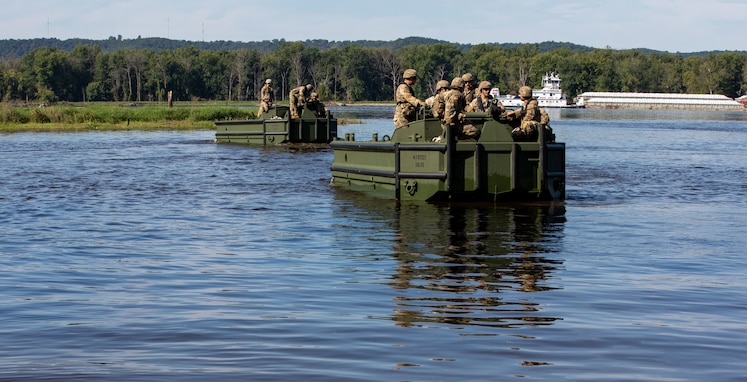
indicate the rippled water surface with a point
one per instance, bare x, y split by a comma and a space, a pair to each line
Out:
146, 255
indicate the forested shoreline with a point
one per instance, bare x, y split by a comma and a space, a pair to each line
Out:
351, 72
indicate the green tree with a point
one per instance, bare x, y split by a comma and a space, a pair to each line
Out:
47, 75
606, 79
10, 79
359, 77
82, 63
185, 78
135, 62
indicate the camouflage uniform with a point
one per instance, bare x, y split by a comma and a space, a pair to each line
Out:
454, 116
316, 106
437, 103
529, 115
264, 107
267, 92
406, 110
484, 102
297, 98
469, 88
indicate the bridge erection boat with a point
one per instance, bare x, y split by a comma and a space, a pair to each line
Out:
276, 127
409, 166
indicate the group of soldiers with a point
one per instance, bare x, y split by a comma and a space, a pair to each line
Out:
300, 97
450, 104
453, 100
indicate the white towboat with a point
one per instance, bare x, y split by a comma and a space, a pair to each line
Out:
550, 95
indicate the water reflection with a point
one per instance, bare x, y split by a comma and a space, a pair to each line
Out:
469, 266
465, 266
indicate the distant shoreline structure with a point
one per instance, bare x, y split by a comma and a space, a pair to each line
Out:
622, 100
550, 95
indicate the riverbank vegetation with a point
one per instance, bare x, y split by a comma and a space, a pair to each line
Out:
116, 116
110, 116
350, 73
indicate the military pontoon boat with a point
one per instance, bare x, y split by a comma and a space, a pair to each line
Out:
409, 166
276, 127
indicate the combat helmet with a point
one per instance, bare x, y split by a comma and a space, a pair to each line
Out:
309, 86
525, 92
467, 77
486, 85
268, 81
410, 73
443, 84
457, 83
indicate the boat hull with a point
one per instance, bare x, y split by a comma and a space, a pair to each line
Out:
277, 128
411, 167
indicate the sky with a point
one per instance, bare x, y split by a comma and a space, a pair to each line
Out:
666, 25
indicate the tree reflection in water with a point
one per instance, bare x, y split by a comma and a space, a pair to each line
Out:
474, 266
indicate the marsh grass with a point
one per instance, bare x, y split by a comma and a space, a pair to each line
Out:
114, 116
111, 116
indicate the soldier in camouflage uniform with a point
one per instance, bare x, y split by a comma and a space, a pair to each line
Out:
267, 92
436, 102
264, 106
528, 116
484, 102
454, 117
407, 104
469, 87
320, 111
298, 97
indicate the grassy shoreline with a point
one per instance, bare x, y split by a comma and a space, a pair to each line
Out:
110, 116
117, 116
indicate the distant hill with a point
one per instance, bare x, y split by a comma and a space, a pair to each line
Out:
18, 48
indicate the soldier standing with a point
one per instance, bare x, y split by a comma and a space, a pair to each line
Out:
267, 92
469, 87
407, 103
436, 103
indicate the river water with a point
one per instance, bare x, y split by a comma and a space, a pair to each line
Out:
161, 255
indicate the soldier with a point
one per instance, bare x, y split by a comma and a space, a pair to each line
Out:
298, 97
469, 87
267, 92
316, 106
484, 101
407, 104
437, 104
454, 117
528, 116
264, 106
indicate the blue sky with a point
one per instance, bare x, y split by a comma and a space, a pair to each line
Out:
668, 25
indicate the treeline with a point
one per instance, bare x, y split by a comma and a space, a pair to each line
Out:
17, 48
351, 72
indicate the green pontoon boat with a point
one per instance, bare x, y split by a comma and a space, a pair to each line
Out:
276, 127
409, 166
